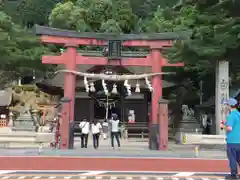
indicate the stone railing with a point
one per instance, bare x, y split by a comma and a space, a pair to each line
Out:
189, 138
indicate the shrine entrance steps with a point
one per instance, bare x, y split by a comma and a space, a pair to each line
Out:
22, 139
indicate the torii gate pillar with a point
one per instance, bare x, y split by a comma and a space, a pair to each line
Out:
69, 92
157, 64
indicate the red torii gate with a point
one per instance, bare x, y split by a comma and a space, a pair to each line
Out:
70, 58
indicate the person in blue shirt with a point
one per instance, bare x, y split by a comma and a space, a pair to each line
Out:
232, 127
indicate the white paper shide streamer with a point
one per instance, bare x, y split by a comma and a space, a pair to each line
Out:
148, 83
86, 84
104, 85
128, 87
114, 77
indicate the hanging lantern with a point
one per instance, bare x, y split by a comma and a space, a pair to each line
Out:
92, 88
137, 90
114, 90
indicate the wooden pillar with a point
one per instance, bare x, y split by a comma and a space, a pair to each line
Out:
69, 92
163, 124
156, 83
91, 106
157, 93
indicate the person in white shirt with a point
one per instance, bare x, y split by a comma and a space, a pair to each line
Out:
96, 129
114, 121
84, 126
105, 129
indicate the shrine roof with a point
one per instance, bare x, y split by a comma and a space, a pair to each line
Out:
44, 30
5, 98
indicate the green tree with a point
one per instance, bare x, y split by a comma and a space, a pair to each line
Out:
34, 11
214, 27
69, 16
94, 15
20, 51
146, 8
214, 32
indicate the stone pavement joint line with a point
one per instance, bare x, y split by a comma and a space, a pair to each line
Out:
112, 177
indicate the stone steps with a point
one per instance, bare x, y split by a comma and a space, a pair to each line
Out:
25, 139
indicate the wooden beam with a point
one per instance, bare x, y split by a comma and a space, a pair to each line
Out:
147, 43
104, 61
53, 60
95, 42
124, 54
181, 64
67, 40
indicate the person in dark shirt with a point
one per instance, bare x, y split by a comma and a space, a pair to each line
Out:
114, 121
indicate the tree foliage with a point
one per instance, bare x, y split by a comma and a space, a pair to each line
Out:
94, 16
214, 32
35, 11
20, 50
214, 26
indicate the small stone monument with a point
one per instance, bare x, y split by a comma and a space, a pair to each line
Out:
188, 123
25, 122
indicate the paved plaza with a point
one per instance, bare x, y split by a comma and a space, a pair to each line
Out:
178, 163
129, 148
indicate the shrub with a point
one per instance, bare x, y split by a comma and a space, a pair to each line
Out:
22, 103
29, 87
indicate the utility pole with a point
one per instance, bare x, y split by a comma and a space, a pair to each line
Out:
201, 92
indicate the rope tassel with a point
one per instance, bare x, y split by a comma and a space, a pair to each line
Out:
137, 90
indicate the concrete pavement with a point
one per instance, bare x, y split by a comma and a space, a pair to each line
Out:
110, 175
129, 148
134, 155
